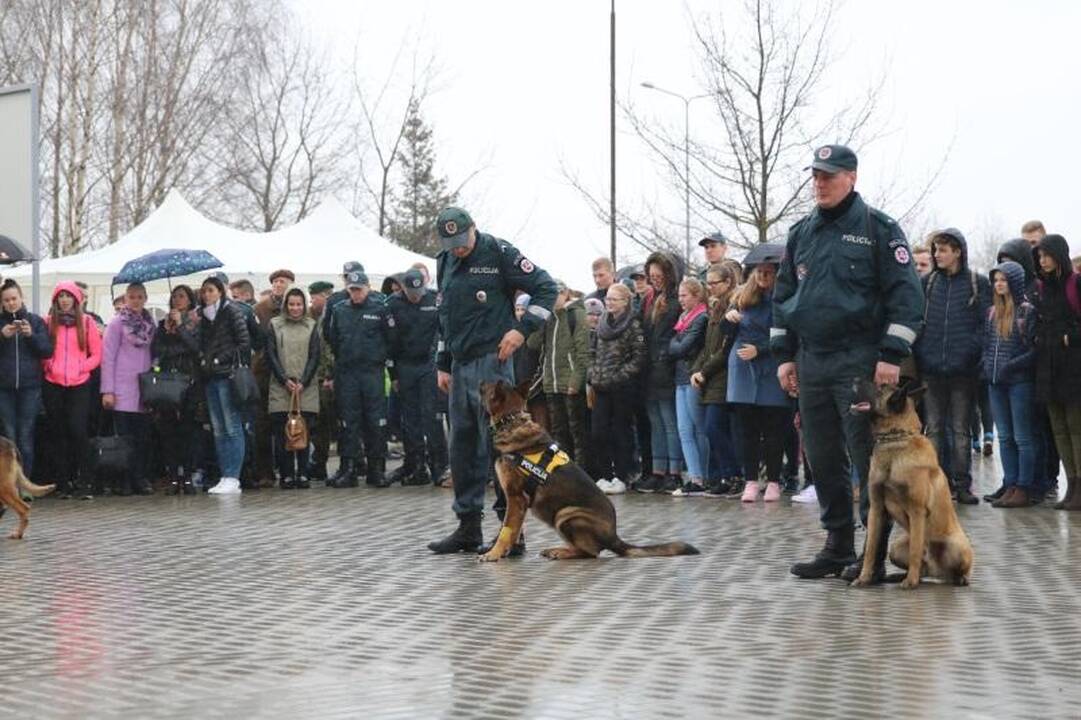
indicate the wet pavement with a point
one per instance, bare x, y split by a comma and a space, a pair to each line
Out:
325, 603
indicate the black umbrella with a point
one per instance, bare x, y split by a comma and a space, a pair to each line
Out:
11, 252
764, 253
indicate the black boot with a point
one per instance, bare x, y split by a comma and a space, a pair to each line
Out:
419, 477
832, 558
516, 550
286, 483
346, 476
465, 539
377, 473
186, 486
361, 467
142, 487
317, 471
404, 471
878, 574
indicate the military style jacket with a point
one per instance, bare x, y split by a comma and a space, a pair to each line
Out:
476, 299
846, 281
361, 335
418, 329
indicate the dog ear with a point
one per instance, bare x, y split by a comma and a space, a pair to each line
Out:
897, 400
915, 392
523, 388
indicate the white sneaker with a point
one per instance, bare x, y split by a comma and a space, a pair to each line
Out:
226, 486
603, 485
806, 495
615, 487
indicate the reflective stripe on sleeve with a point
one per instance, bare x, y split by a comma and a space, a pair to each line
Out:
900, 331
442, 347
777, 332
539, 312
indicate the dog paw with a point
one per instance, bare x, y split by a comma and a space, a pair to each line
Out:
489, 557
15, 536
860, 582
910, 584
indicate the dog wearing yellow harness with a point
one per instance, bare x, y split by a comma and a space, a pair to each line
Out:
535, 473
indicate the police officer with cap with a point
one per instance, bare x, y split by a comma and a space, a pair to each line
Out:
847, 305
715, 246
339, 296
477, 277
416, 315
362, 331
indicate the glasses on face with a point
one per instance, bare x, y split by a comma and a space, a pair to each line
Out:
714, 283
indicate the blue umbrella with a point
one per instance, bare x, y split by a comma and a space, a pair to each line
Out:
166, 264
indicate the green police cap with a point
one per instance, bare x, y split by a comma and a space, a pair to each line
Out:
833, 159
453, 225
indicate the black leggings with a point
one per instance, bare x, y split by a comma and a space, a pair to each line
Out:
67, 410
291, 464
613, 438
764, 432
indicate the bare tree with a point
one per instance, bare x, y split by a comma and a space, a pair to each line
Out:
281, 135
383, 127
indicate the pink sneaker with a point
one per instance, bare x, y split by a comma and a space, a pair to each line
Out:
773, 492
750, 492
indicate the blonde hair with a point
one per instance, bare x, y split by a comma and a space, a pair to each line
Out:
1002, 309
694, 287
619, 291
603, 262
749, 293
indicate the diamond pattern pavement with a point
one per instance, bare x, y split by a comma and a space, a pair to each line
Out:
326, 603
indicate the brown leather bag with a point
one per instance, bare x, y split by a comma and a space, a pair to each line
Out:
296, 430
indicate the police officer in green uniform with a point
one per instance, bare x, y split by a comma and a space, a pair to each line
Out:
847, 305
416, 315
336, 298
362, 332
477, 277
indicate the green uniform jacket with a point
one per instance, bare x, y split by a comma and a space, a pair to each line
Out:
847, 283
361, 335
476, 299
564, 354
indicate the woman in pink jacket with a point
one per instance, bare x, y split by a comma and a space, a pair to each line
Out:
66, 394
125, 356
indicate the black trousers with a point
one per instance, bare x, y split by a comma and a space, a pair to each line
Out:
291, 463
612, 433
764, 435
67, 410
137, 427
423, 437
362, 408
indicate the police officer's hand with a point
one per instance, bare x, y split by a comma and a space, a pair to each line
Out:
443, 380
887, 374
789, 378
510, 342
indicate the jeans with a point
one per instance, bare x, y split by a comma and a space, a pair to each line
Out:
725, 458
983, 413
228, 423
1011, 406
952, 398
691, 420
613, 441
664, 432
18, 413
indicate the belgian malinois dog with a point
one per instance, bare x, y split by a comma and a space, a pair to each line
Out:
534, 473
11, 479
907, 482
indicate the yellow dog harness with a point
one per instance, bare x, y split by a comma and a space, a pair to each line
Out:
538, 466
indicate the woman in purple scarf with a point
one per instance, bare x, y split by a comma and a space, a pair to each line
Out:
125, 355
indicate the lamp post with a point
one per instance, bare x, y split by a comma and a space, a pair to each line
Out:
686, 156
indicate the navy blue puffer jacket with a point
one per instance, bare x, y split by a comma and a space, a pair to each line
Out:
1009, 360
956, 314
21, 356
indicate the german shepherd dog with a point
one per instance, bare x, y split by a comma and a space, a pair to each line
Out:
11, 479
533, 472
907, 482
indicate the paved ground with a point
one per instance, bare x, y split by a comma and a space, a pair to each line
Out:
325, 603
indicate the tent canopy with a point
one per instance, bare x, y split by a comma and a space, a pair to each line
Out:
313, 249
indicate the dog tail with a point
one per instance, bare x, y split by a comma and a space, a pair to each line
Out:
663, 550
35, 490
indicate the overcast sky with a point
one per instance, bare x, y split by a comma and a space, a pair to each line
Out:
524, 88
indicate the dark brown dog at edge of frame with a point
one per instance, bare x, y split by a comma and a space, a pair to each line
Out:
11, 480
567, 500
906, 481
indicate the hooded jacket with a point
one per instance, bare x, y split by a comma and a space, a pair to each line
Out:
955, 316
1009, 360
293, 350
1020, 252
1058, 328
21, 356
660, 329
564, 350
712, 361
70, 365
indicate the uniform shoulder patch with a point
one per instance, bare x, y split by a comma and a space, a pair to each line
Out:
901, 256
525, 266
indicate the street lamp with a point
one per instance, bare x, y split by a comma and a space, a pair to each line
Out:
686, 154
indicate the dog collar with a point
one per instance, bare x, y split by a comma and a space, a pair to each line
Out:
893, 435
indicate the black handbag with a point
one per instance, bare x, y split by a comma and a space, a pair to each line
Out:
163, 390
245, 387
110, 453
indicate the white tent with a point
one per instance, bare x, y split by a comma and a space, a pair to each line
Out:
314, 249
